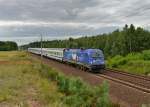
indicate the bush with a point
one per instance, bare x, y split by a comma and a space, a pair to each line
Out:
146, 55
139, 67
134, 56
103, 91
116, 61
137, 63
78, 93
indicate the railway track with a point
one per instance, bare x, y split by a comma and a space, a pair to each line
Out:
129, 74
135, 81
128, 95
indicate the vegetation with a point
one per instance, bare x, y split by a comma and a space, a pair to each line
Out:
8, 46
145, 105
21, 84
78, 93
138, 63
119, 42
25, 82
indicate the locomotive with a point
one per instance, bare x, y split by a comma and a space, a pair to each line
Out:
91, 59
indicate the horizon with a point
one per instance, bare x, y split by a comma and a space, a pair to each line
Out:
37, 37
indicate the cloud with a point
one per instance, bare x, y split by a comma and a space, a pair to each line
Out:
26, 34
69, 17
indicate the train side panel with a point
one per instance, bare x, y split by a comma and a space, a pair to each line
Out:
34, 50
53, 53
56, 54
90, 58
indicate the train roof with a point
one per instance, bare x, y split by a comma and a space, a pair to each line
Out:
48, 48
62, 49
93, 50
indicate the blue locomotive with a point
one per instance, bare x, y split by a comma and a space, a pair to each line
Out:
91, 59
87, 58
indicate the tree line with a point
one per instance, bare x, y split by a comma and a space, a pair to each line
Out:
8, 46
119, 42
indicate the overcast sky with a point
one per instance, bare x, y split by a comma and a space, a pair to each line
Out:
24, 20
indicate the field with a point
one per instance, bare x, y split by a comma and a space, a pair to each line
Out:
21, 84
24, 82
136, 63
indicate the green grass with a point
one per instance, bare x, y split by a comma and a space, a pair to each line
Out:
24, 82
137, 63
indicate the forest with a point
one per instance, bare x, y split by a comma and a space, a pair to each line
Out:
119, 42
8, 46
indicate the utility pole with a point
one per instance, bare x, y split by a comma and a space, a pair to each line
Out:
41, 49
130, 46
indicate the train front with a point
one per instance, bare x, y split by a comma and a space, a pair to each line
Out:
96, 59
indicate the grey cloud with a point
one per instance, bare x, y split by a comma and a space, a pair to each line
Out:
135, 11
53, 10
52, 31
88, 17
110, 11
26, 34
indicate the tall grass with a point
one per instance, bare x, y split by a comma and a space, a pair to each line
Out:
138, 63
21, 84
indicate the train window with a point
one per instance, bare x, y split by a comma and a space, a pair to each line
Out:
85, 55
96, 54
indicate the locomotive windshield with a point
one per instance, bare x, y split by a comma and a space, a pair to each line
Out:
96, 54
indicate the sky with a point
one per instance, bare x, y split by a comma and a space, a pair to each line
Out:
23, 21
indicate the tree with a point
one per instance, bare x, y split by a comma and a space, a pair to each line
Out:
8, 46
119, 42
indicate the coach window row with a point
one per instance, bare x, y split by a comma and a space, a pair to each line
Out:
56, 53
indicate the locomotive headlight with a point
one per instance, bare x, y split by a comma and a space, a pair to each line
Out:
91, 62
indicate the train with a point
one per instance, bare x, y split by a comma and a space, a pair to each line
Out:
86, 59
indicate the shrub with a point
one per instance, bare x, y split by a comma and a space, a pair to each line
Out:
78, 93
137, 63
63, 84
146, 55
116, 61
103, 100
134, 56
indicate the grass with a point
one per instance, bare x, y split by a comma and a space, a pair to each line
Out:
22, 85
24, 82
136, 63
